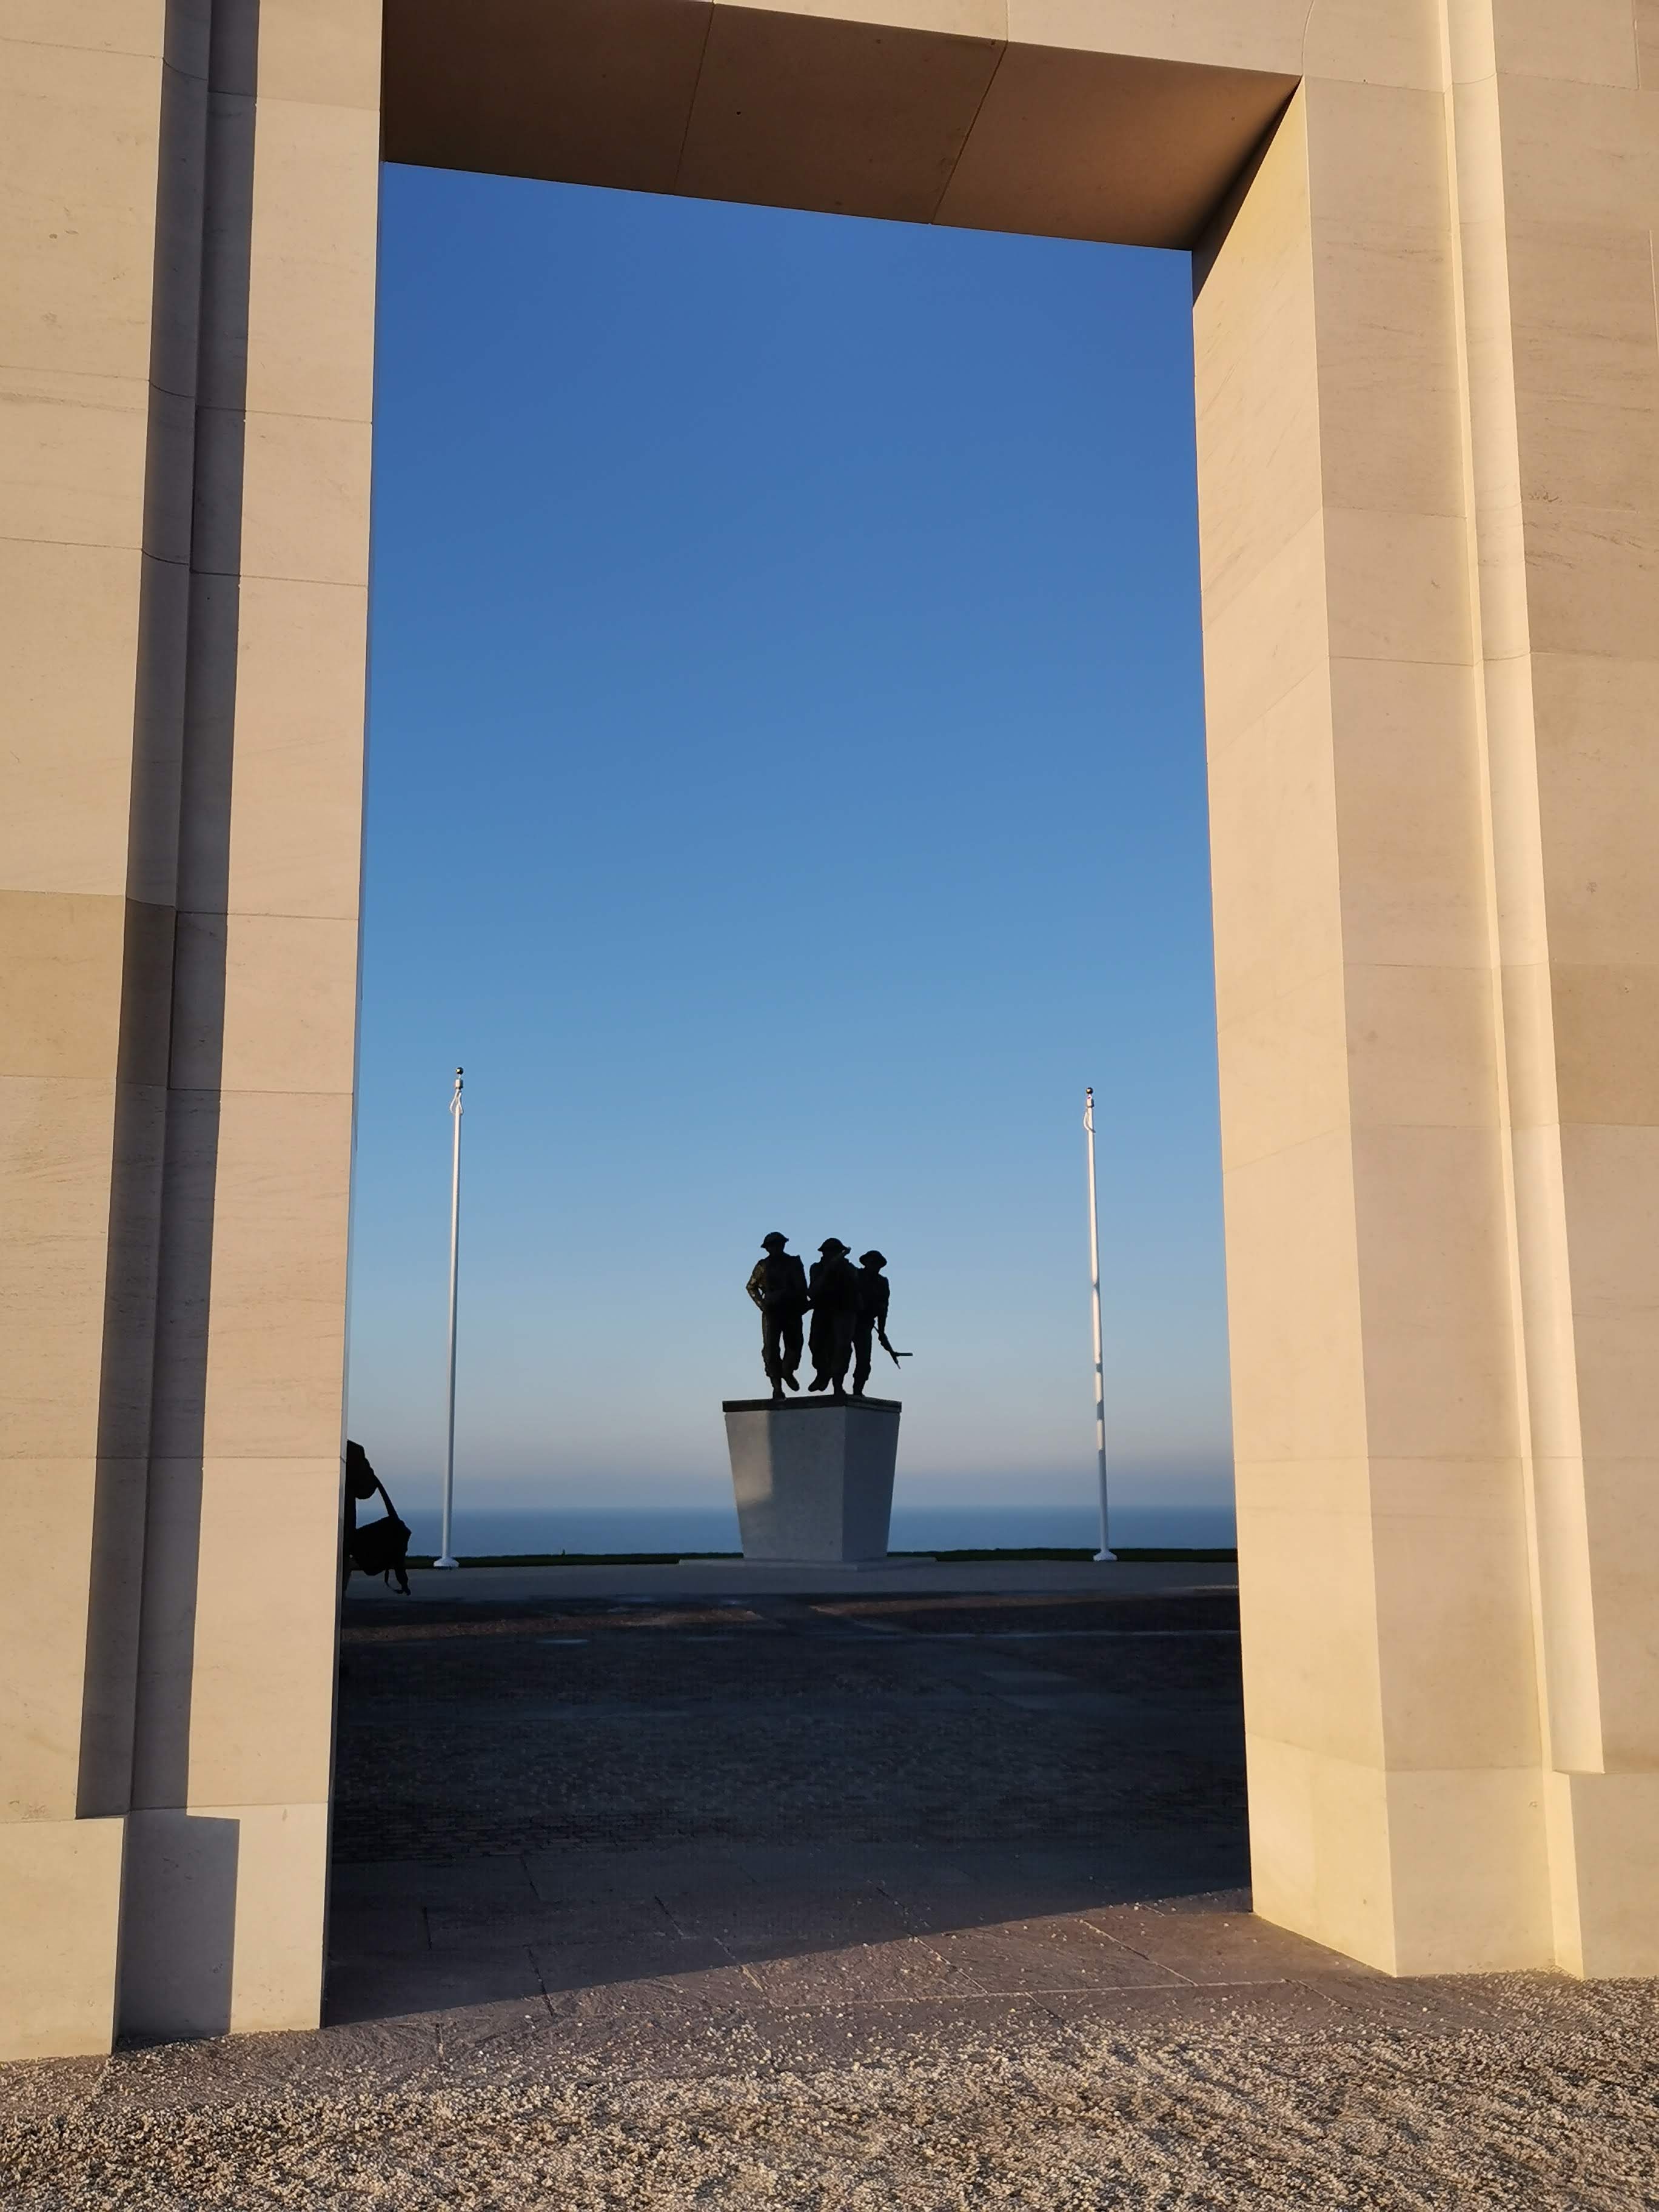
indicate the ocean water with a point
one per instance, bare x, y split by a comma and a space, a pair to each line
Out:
916, 1529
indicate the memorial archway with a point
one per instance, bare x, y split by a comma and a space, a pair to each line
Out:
1423, 286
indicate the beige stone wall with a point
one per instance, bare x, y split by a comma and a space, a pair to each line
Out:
191, 199
1557, 129
236, 1687
1426, 361
1383, 1533
1428, 427
90, 581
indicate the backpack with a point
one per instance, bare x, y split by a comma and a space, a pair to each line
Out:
381, 1548
378, 1547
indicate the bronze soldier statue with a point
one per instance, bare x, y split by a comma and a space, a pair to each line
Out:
870, 1322
834, 1289
778, 1286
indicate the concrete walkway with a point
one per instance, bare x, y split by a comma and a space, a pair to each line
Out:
710, 1578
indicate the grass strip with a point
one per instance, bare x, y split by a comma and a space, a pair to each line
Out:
1137, 1554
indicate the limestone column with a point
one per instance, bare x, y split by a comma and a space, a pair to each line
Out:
186, 353
1390, 1710
1426, 376
101, 135
227, 1843
1556, 130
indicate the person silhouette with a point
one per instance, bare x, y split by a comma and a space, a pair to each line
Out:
833, 1287
778, 1286
870, 1318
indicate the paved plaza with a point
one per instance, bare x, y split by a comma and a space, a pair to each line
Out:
870, 1897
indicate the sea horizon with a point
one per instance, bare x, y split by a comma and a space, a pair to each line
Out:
495, 1531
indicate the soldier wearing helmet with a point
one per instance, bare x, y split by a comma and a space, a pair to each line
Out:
778, 1286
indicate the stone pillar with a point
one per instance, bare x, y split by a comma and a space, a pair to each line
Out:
227, 1848
102, 131
187, 365
1433, 933
1556, 128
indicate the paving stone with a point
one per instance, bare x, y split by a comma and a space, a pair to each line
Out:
357, 1930
361, 1988
576, 1873
859, 1974
941, 1905
1233, 1900
671, 1981
1421, 2005
602, 1920
640, 1958
1027, 1956
1226, 1947
839, 1865
472, 1881
1178, 2009
767, 1920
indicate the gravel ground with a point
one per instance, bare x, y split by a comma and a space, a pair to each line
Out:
840, 1905
1544, 2097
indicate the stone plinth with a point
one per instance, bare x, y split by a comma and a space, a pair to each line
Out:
813, 1477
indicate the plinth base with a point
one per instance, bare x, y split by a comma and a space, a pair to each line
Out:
813, 1478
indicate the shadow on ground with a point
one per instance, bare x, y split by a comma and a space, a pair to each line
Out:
782, 1811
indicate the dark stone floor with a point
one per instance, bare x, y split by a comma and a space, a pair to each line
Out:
843, 1721
650, 1813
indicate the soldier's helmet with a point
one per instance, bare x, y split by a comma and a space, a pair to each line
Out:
832, 1247
775, 1242
872, 1259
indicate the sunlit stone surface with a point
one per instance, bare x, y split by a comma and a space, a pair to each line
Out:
1428, 437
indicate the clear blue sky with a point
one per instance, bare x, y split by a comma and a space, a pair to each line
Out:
786, 792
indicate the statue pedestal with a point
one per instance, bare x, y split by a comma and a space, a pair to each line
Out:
813, 1477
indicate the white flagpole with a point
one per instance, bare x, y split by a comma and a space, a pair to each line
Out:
448, 1557
1105, 1551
